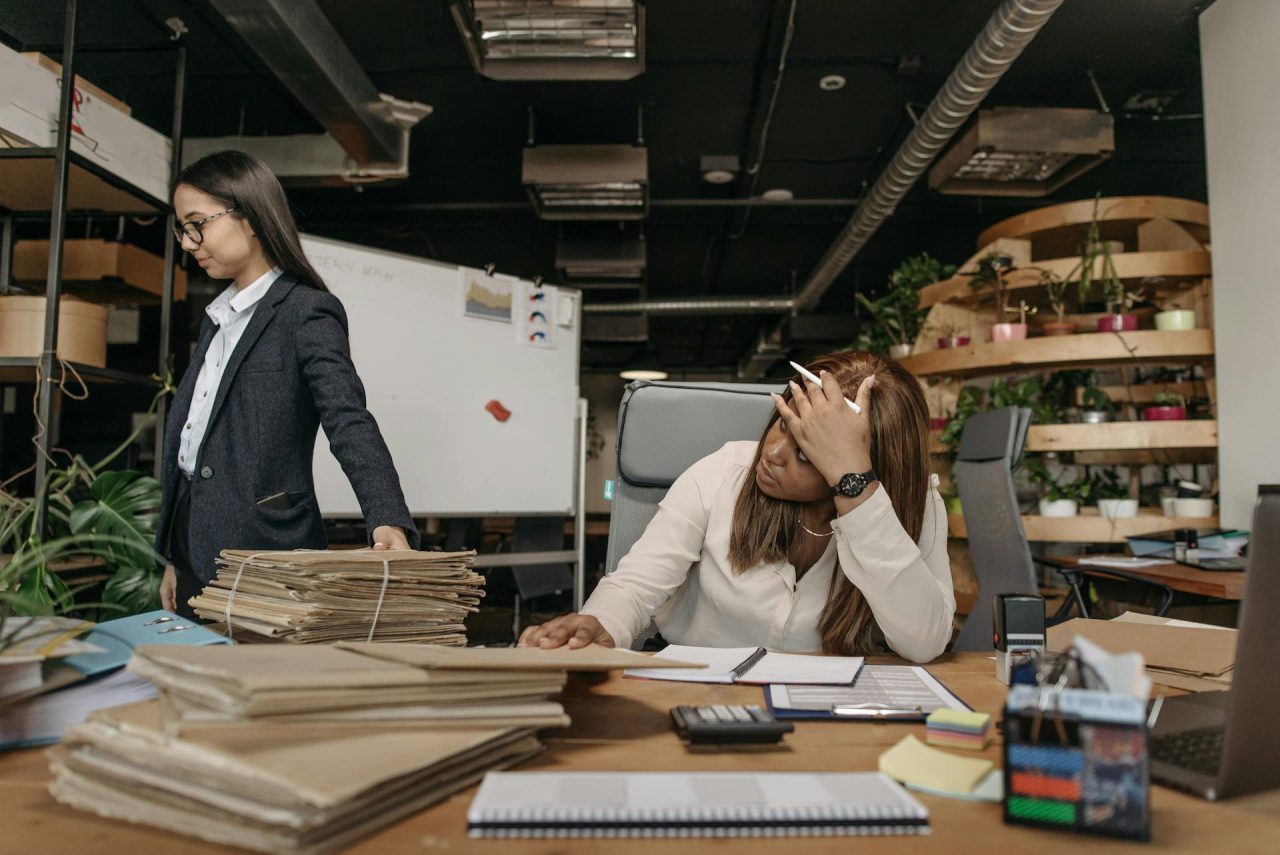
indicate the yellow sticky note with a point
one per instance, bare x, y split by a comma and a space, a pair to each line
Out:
913, 762
959, 718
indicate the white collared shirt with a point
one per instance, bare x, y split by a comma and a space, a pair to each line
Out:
231, 311
678, 573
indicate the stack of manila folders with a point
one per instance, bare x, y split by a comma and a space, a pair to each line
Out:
308, 596
1195, 657
283, 748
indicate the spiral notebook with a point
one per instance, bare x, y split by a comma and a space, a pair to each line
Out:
693, 804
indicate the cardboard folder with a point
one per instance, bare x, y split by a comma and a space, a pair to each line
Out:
1186, 650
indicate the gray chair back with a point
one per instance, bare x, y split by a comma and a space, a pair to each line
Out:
663, 429
990, 449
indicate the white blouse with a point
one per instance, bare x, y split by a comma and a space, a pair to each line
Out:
678, 573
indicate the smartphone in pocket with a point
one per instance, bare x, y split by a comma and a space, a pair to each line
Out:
279, 501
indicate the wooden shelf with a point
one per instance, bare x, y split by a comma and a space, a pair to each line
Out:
1145, 393
99, 271
1083, 349
1120, 209
1089, 527
1130, 267
26, 184
1115, 436
22, 369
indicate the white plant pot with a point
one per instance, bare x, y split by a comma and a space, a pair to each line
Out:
1118, 509
1176, 319
900, 351
1059, 508
1193, 507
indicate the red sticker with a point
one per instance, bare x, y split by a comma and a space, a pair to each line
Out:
498, 411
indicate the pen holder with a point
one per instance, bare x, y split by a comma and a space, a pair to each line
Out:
1076, 760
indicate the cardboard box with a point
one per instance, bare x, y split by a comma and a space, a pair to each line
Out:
82, 329
29, 97
81, 84
90, 260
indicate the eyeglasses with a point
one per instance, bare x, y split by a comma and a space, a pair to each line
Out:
191, 230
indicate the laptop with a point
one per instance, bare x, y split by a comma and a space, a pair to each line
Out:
1222, 744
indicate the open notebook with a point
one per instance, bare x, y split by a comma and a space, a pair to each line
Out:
752, 665
692, 804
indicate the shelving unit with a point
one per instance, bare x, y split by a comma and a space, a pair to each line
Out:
1141, 347
57, 181
1170, 238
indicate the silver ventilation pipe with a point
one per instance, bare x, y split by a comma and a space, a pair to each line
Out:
711, 306
1002, 41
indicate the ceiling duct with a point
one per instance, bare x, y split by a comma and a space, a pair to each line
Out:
367, 137
600, 259
608, 328
587, 182
710, 306
1010, 151
553, 39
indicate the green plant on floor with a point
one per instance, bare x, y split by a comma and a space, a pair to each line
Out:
1107, 485
92, 511
897, 313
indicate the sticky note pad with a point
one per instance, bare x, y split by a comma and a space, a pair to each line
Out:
914, 763
959, 720
959, 729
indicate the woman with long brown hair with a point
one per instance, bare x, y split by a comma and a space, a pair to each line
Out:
826, 535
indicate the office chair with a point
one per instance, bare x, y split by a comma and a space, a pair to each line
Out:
990, 449
663, 429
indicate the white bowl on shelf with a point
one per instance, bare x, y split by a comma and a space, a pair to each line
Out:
1193, 507
1059, 508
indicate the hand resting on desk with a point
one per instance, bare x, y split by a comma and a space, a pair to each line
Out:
575, 630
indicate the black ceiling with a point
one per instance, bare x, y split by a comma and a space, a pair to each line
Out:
710, 66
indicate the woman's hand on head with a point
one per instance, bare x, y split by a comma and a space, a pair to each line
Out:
389, 537
572, 630
834, 438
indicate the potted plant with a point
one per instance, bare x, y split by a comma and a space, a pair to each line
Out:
1113, 497
989, 273
949, 335
1058, 499
1174, 317
1097, 267
1119, 302
1169, 407
1098, 406
1055, 288
897, 313
1013, 331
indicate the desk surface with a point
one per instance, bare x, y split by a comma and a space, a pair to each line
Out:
622, 724
1222, 584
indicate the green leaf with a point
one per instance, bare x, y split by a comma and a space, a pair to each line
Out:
135, 589
124, 506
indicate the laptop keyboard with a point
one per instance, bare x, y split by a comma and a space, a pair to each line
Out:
1197, 750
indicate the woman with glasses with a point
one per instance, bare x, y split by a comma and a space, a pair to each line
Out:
271, 365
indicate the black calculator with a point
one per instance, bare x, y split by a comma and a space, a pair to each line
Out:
727, 724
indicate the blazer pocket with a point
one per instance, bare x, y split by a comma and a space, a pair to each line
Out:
261, 366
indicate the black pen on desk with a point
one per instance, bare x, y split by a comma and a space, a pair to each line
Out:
750, 661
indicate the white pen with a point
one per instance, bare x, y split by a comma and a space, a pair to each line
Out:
808, 375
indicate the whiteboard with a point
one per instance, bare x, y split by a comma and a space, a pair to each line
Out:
429, 369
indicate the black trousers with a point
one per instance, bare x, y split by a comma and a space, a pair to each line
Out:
180, 550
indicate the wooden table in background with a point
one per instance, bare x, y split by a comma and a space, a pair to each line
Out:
1221, 584
622, 725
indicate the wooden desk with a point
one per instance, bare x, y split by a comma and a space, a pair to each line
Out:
622, 724
1221, 584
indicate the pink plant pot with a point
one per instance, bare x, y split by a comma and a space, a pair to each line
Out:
938, 423
1164, 414
953, 341
1117, 323
1008, 332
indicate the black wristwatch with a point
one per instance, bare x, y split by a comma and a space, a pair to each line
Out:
854, 483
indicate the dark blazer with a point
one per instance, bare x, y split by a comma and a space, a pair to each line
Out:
291, 372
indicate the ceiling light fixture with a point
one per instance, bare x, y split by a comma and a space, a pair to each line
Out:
832, 83
646, 367
587, 182
553, 39
778, 194
1031, 152
719, 168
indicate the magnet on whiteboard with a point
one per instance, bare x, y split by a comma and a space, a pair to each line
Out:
498, 411
566, 310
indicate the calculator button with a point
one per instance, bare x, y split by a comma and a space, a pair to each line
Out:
740, 713
722, 712
706, 713
759, 714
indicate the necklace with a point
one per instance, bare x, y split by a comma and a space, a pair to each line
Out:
817, 534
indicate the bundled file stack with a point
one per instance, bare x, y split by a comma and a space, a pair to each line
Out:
284, 748
309, 596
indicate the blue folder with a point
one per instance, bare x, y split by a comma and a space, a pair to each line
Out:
119, 638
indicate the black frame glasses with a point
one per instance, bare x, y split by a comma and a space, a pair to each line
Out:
191, 229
